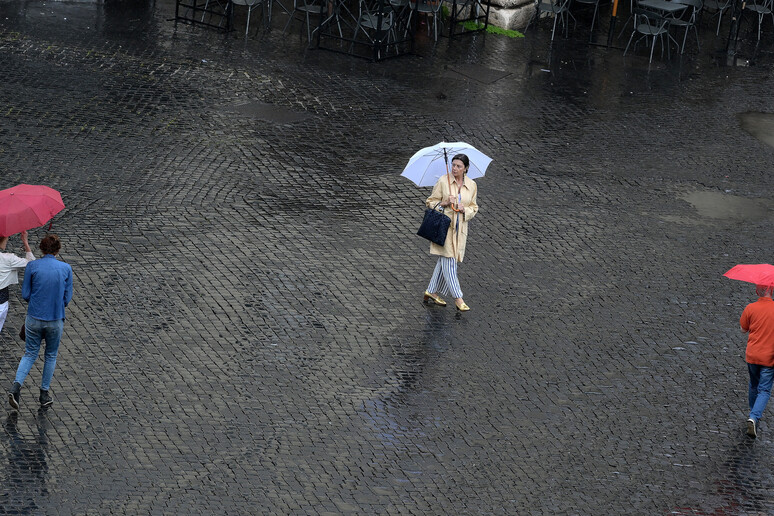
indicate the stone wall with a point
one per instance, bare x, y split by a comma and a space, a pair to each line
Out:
514, 16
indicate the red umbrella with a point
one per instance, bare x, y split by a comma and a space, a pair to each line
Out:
758, 273
25, 207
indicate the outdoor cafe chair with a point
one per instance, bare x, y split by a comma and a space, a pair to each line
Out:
560, 10
251, 6
630, 18
402, 15
761, 8
376, 21
307, 8
430, 7
719, 6
590, 3
219, 10
467, 10
688, 20
649, 25
270, 7
400, 6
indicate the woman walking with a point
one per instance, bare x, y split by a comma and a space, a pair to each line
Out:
10, 265
458, 199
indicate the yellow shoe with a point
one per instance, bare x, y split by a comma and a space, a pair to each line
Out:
437, 300
463, 307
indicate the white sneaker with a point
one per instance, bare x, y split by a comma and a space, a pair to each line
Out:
751, 428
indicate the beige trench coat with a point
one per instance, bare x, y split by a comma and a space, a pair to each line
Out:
455, 240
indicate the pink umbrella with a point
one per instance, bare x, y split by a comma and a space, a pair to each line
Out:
25, 207
758, 273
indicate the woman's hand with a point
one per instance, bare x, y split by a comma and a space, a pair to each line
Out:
25, 242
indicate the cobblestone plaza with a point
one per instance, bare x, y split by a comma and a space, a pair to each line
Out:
247, 334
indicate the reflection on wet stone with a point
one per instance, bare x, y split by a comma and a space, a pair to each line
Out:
24, 477
717, 205
393, 415
436, 332
760, 125
743, 487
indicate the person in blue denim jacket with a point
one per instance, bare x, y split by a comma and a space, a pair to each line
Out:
48, 288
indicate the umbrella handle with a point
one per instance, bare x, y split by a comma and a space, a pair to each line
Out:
448, 179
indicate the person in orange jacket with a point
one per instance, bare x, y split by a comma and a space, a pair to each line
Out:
758, 322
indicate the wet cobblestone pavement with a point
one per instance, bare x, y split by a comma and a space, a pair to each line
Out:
247, 334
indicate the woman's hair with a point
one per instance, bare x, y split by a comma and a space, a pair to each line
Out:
50, 244
464, 159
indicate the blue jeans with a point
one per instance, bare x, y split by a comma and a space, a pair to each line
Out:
761, 378
38, 330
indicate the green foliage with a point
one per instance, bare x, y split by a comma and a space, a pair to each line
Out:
491, 29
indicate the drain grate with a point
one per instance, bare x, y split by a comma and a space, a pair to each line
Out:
480, 73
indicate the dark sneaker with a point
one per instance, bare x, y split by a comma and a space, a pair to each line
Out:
751, 431
45, 399
14, 395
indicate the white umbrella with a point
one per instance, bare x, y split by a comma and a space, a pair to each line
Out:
427, 165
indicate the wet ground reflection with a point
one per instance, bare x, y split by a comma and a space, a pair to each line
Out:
24, 477
746, 483
386, 413
718, 205
760, 125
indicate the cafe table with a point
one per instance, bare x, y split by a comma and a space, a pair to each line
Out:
667, 9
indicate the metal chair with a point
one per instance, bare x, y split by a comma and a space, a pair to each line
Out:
251, 6
377, 25
432, 7
761, 8
221, 10
650, 25
560, 9
402, 11
719, 6
464, 11
590, 3
688, 20
270, 8
307, 7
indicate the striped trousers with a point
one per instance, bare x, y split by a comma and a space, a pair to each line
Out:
444, 280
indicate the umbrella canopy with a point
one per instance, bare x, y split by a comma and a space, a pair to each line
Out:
25, 207
430, 163
758, 273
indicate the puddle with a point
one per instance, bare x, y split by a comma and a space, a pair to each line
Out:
717, 205
760, 125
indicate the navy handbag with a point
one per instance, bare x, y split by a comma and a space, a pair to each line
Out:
434, 226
